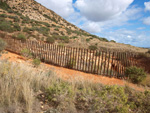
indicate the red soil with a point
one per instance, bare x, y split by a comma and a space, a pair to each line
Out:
72, 74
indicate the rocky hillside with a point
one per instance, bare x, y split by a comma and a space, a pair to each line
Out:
35, 22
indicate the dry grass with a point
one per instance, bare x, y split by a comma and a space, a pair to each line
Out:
18, 84
22, 85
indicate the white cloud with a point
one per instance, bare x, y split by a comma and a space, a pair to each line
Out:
146, 21
140, 28
91, 27
62, 7
95, 27
147, 6
132, 37
101, 10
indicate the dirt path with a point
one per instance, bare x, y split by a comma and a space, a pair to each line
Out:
72, 74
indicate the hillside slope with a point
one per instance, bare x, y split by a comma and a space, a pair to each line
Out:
39, 23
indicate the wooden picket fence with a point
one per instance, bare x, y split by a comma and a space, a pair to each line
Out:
106, 63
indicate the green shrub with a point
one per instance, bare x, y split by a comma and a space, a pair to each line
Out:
25, 19
88, 40
74, 37
10, 11
135, 74
113, 41
93, 47
65, 39
2, 45
50, 40
3, 15
27, 30
56, 29
43, 30
46, 16
17, 27
46, 24
6, 26
4, 5
21, 37
103, 39
36, 62
26, 53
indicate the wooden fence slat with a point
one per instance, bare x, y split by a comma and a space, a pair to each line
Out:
108, 64
105, 63
101, 63
99, 56
92, 62
95, 66
76, 56
81, 59
78, 62
112, 64
86, 66
64, 55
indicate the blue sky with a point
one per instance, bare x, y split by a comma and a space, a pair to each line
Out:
125, 21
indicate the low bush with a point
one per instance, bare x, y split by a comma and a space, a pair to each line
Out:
4, 6
36, 62
17, 27
2, 45
93, 47
21, 37
135, 74
50, 40
43, 30
26, 53
6, 26
88, 39
15, 18
74, 37
3, 15
113, 41
65, 39
103, 39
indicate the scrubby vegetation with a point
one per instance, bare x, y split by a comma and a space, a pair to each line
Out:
20, 85
26, 53
93, 47
50, 40
21, 37
113, 41
36, 62
4, 5
135, 74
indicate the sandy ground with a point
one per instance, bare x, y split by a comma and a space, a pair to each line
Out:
67, 74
